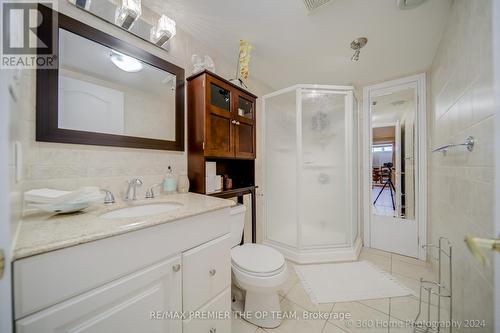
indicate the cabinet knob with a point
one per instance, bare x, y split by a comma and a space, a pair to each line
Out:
212, 272
233, 121
237, 123
176, 267
213, 330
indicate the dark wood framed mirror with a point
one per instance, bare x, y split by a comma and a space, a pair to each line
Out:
108, 92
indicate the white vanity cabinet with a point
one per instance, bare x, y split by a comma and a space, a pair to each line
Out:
130, 282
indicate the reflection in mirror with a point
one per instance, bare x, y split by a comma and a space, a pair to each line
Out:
393, 154
104, 91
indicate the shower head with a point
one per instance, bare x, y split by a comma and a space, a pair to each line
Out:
357, 45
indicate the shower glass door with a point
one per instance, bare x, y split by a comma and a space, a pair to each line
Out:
281, 168
324, 197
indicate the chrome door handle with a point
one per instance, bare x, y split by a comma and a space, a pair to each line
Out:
176, 267
475, 244
212, 272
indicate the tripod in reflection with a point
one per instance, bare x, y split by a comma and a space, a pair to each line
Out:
389, 184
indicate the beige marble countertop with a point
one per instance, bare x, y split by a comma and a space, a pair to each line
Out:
42, 232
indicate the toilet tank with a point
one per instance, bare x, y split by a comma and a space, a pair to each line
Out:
237, 223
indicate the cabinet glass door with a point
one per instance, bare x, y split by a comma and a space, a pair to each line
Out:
220, 97
245, 108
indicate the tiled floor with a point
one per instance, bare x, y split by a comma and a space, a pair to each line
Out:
389, 310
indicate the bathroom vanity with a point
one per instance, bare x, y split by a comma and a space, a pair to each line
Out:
87, 273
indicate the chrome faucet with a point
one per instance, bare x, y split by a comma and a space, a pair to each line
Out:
133, 184
150, 193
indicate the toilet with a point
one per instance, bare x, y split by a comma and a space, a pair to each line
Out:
260, 271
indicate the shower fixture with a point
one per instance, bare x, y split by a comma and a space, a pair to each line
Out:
357, 45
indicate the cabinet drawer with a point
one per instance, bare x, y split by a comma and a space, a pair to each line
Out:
221, 304
206, 272
124, 305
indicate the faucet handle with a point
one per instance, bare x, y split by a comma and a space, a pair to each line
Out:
150, 193
109, 198
135, 181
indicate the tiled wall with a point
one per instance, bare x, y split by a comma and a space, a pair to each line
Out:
461, 184
68, 166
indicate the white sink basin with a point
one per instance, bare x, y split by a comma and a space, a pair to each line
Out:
143, 210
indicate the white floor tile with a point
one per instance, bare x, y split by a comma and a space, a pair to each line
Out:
332, 328
291, 281
363, 318
298, 325
375, 251
381, 262
238, 325
404, 308
381, 305
412, 271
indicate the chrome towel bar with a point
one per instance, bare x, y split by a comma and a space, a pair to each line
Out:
469, 144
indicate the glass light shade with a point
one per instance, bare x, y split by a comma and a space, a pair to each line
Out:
125, 63
163, 30
128, 13
84, 4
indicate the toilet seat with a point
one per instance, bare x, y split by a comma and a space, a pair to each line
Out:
257, 260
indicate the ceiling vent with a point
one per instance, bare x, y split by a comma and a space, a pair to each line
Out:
312, 5
408, 4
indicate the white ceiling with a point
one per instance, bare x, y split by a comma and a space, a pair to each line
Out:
292, 46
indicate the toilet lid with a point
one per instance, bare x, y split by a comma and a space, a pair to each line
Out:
257, 258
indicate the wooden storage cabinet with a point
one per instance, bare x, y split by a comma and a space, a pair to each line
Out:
221, 118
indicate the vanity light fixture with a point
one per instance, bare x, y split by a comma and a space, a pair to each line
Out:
357, 45
125, 62
128, 13
84, 4
163, 30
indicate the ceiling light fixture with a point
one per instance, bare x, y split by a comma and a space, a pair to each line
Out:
128, 13
357, 45
163, 30
125, 62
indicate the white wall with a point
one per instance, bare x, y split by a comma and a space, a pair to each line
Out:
461, 190
68, 166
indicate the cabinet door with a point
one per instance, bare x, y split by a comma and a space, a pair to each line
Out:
244, 109
219, 132
124, 305
220, 305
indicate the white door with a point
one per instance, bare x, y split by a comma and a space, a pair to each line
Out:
393, 214
124, 305
5, 282
496, 64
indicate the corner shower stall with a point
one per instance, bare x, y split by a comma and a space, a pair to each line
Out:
310, 170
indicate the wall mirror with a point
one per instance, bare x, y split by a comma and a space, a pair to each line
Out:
108, 92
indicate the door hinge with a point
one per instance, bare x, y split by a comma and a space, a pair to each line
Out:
203, 145
203, 83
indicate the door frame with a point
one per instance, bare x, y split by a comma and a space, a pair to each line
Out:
419, 82
5, 233
496, 68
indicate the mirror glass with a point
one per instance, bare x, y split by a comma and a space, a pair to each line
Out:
105, 91
393, 154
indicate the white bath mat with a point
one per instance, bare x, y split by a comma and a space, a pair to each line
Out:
346, 282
